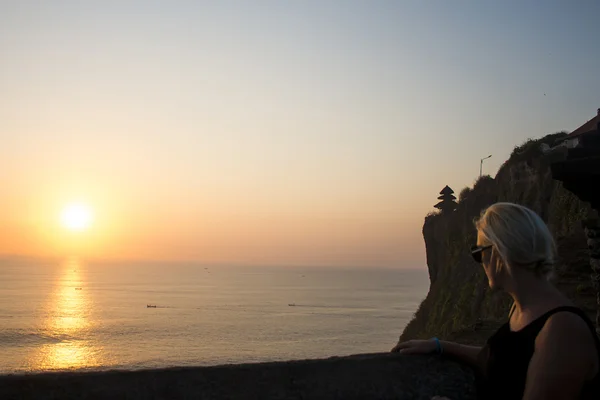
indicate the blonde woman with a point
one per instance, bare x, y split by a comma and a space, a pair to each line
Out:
548, 349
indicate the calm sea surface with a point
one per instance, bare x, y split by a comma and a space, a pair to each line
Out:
70, 314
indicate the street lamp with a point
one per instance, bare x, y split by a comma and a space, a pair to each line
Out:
481, 164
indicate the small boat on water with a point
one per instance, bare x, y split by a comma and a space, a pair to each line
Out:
150, 305
292, 304
78, 288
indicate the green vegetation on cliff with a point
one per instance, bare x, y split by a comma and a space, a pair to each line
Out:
460, 304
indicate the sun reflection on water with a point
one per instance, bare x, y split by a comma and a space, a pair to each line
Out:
67, 324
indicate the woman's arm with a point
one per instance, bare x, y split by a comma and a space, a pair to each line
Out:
464, 353
467, 354
563, 359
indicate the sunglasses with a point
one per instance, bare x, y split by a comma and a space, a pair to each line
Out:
476, 252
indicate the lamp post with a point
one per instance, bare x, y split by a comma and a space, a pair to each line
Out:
481, 164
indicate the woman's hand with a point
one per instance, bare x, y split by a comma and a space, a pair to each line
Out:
415, 347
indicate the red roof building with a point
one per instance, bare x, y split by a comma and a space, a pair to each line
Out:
592, 126
579, 166
587, 133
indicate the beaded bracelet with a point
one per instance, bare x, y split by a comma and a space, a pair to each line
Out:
438, 346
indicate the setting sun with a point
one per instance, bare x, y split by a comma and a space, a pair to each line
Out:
76, 217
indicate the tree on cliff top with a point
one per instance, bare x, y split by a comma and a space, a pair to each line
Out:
448, 200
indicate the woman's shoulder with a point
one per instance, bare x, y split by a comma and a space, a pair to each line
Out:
570, 337
567, 320
569, 332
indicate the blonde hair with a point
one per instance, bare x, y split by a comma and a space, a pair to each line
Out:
520, 236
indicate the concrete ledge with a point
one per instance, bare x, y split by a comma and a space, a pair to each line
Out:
368, 376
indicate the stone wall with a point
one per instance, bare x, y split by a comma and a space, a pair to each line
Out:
369, 376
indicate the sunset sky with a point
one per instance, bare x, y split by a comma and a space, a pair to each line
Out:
272, 132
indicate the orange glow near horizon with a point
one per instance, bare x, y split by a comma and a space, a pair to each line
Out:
126, 225
130, 220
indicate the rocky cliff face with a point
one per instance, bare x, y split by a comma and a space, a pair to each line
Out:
459, 304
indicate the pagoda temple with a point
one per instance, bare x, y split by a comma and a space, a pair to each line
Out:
448, 200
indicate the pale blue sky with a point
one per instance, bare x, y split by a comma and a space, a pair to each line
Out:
314, 132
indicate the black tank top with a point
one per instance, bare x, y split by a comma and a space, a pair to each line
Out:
505, 359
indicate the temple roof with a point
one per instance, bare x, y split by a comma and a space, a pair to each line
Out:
447, 196
447, 190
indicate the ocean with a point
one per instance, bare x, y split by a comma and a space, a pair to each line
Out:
71, 314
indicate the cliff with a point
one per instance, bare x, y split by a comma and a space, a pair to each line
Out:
459, 305
375, 376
